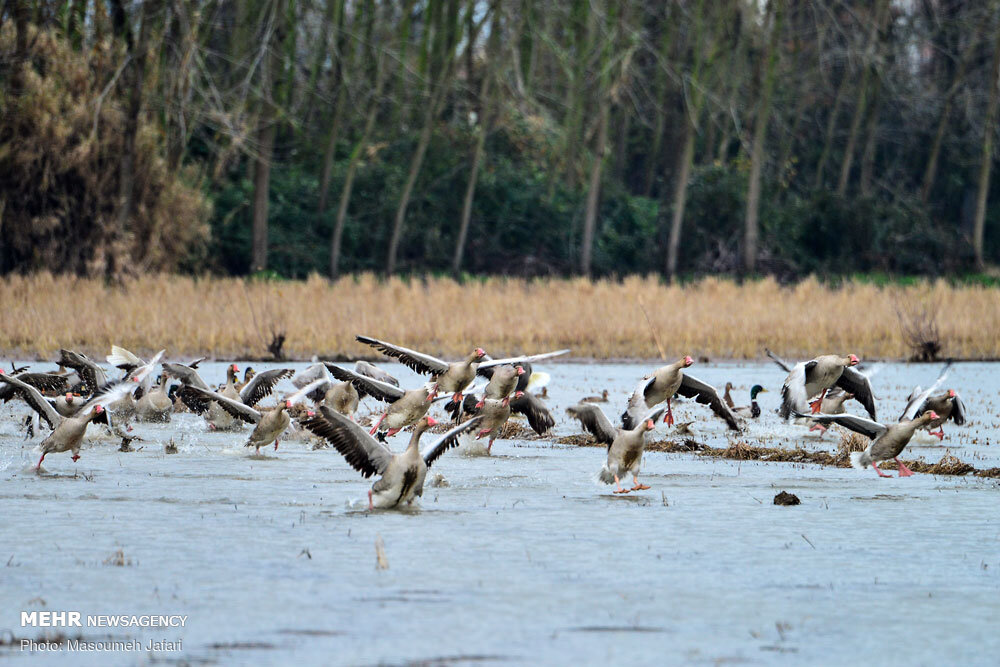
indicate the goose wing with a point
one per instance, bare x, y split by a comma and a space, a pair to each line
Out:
793, 391
40, 381
34, 398
262, 384
706, 394
363, 452
594, 421
918, 399
374, 372
485, 366
448, 440
784, 365
317, 384
365, 385
534, 409
237, 409
637, 407
139, 373
313, 372
123, 359
855, 382
91, 374
417, 361
186, 374
107, 395
865, 427
957, 409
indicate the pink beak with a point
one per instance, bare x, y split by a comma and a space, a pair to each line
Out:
288, 404
688, 361
518, 394
854, 360
951, 393
431, 421
649, 425
520, 370
934, 415
480, 352
310, 413
69, 397
98, 409
236, 369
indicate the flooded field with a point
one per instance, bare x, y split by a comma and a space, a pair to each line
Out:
517, 558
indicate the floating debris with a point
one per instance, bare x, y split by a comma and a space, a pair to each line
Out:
438, 481
381, 562
786, 498
170, 447
117, 559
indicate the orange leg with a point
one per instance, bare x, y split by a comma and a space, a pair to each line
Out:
668, 418
618, 486
377, 424
638, 486
275, 444
879, 471
817, 405
939, 433
75, 457
903, 470
371, 506
39, 466
818, 427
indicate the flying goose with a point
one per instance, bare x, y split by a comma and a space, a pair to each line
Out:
888, 441
340, 396
405, 407
663, 384
401, 475
67, 432
41, 381
625, 446
947, 405
814, 378
450, 378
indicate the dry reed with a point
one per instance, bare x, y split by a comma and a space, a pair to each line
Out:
742, 451
233, 318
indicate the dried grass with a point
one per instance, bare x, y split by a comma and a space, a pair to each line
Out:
231, 318
742, 451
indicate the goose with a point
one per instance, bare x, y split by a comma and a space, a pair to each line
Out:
603, 398
401, 475
67, 432
816, 377
523, 402
753, 410
450, 378
248, 375
888, 441
625, 446
663, 384
132, 365
269, 424
503, 380
259, 388
405, 407
947, 405
154, 405
218, 419
340, 396
833, 404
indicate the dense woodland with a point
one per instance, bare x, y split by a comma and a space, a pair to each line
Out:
518, 137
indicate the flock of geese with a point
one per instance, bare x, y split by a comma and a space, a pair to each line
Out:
327, 395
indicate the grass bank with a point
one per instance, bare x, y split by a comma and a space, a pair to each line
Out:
232, 318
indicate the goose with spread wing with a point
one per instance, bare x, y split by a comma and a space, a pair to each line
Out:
814, 378
340, 396
44, 382
625, 446
405, 407
401, 475
269, 424
668, 381
67, 432
450, 378
888, 440
947, 405
368, 369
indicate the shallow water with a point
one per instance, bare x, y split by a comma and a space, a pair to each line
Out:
522, 557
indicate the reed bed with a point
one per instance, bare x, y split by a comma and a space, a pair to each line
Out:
602, 319
742, 451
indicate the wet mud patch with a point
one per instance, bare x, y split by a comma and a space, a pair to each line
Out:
618, 628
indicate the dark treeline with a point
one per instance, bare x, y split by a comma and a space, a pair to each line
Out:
512, 137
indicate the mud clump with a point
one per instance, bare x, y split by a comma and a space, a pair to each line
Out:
786, 498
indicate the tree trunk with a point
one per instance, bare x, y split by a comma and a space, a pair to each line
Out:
493, 52
680, 199
868, 71
342, 57
760, 134
265, 140
989, 131
930, 172
871, 139
411, 178
352, 167
594, 189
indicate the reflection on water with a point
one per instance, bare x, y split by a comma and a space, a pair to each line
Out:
522, 556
